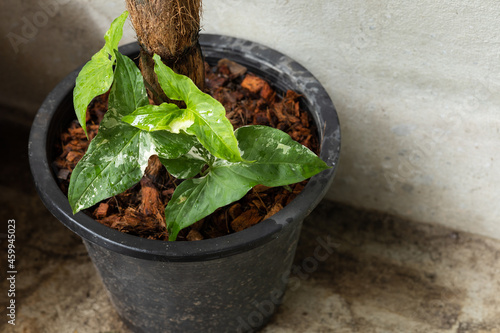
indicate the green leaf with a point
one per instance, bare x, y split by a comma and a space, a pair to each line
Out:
94, 79
160, 117
96, 76
206, 194
115, 33
277, 160
118, 155
183, 167
210, 125
128, 92
189, 164
169, 145
115, 160
128, 95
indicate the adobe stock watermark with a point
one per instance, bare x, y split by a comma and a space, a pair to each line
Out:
11, 271
324, 249
370, 26
31, 25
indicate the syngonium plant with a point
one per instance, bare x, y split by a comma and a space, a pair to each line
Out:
196, 143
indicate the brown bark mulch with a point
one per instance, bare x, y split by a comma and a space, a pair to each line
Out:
248, 100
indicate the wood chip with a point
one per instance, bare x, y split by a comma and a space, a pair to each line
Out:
194, 235
63, 174
151, 204
267, 92
260, 188
235, 68
276, 208
101, 211
77, 133
260, 118
217, 82
154, 170
235, 210
253, 83
246, 220
257, 203
168, 192
74, 156
198, 225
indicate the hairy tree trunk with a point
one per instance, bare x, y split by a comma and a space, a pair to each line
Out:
169, 28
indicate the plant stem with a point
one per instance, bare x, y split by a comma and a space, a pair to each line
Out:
169, 28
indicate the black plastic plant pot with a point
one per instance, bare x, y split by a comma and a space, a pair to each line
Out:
232, 283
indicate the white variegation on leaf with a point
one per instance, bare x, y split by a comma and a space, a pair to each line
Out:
210, 124
119, 154
196, 143
271, 158
166, 116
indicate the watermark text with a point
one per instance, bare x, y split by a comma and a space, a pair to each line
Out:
11, 271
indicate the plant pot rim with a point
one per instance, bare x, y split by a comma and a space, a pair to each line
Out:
273, 63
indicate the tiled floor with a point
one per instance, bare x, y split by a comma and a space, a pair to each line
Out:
385, 275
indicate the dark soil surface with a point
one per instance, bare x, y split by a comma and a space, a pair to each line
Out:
248, 100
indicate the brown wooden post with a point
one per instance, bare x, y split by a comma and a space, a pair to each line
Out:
169, 28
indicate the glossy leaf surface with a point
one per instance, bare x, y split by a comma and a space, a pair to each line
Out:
189, 164
118, 155
210, 124
276, 160
96, 76
161, 117
115, 160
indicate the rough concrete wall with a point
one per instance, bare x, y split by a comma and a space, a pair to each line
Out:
43, 40
416, 86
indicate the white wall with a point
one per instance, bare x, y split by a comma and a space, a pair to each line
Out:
43, 40
416, 86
